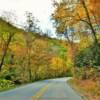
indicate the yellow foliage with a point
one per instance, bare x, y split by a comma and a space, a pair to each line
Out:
98, 37
80, 11
84, 42
56, 62
1, 45
17, 50
40, 43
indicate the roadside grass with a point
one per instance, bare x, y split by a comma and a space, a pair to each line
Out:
8, 85
7, 88
87, 88
12, 87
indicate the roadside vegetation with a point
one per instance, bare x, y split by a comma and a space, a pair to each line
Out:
28, 55
79, 22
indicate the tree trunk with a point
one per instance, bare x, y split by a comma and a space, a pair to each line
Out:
5, 50
90, 23
30, 75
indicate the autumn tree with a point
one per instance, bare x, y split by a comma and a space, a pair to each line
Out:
63, 24
69, 13
89, 18
7, 34
57, 65
29, 42
40, 56
5, 49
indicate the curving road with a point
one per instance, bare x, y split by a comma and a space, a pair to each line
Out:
52, 89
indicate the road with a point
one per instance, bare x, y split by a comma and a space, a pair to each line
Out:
52, 89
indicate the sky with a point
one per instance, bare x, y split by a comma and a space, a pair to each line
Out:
41, 9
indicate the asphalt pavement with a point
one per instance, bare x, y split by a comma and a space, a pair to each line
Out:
51, 89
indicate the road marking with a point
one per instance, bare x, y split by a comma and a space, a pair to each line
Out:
41, 92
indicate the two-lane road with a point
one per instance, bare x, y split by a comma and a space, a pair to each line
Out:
52, 89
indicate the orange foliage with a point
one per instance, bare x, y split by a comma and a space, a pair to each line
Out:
18, 50
95, 6
80, 11
88, 85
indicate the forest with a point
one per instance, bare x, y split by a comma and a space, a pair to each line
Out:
79, 21
28, 55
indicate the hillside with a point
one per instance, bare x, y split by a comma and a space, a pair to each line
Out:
29, 56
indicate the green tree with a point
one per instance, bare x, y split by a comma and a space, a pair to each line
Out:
31, 23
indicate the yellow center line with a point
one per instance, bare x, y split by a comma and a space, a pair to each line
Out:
41, 92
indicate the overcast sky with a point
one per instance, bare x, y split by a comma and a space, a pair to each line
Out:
41, 9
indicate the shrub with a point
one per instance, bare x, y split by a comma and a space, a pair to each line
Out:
87, 73
5, 84
88, 57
